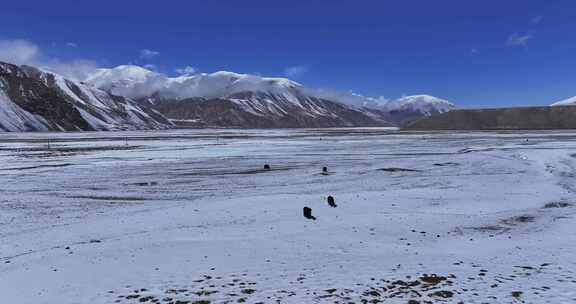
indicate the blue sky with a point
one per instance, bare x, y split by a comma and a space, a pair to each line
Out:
474, 53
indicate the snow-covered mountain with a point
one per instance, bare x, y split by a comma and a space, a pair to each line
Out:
137, 82
566, 102
36, 100
424, 104
409, 108
227, 99
231, 99
127, 97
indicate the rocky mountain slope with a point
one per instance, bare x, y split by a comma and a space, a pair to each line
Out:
262, 110
35, 100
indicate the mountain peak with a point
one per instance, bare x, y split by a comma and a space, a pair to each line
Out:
425, 104
121, 72
566, 102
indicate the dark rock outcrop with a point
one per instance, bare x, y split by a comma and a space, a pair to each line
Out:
332, 202
308, 213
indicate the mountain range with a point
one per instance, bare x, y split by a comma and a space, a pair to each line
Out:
227, 99
132, 97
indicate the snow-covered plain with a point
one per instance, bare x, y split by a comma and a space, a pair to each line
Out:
186, 216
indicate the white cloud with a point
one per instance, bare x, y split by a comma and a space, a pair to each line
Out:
19, 51
78, 69
519, 40
187, 70
347, 97
536, 19
296, 71
71, 44
151, 67
147, 54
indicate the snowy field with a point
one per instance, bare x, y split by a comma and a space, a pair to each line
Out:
191, 216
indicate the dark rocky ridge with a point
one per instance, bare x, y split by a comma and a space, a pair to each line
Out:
528, 118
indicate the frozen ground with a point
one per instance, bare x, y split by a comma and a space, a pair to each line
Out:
191, 217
